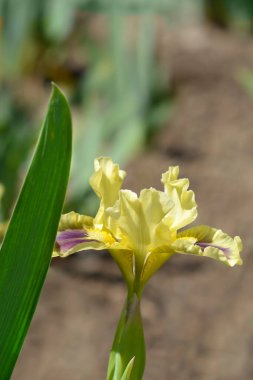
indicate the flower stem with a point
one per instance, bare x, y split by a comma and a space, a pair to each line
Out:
128, 343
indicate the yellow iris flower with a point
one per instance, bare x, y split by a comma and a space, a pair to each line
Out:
142, 232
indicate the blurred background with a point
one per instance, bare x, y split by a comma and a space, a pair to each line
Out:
151, 83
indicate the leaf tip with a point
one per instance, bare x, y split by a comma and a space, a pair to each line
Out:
56, 90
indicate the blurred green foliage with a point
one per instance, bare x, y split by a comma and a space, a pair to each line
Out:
119, 103
16, 139
119, 94
231, 13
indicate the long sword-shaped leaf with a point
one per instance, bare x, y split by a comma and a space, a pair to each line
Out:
26, 251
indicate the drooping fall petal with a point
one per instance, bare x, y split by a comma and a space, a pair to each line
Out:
211, 242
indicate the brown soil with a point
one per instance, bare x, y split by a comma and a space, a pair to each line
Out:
198, 313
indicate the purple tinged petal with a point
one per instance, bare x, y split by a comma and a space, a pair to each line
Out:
66, 245
204, 245
71, 234
69, 238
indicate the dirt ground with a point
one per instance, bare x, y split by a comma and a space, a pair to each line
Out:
198, 314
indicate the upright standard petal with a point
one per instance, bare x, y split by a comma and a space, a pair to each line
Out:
129, 222
141, 220
140, 226
185, 207
210, 242
106, 181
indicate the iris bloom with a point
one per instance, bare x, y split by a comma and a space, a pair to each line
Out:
143, 232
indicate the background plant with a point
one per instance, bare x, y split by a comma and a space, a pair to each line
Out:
119, 93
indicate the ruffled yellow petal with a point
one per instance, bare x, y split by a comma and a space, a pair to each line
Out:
157, 206
130, 221
142, 220
210, 242
73, 220
185, 207
106, 181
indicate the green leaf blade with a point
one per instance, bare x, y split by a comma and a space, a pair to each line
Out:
26, 250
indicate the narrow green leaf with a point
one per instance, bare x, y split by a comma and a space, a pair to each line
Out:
26, 251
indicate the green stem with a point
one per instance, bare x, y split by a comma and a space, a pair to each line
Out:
128, 343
